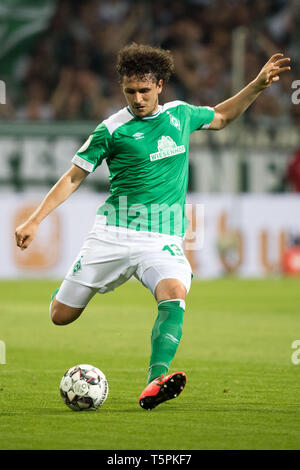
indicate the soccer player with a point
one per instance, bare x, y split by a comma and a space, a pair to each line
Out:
139, 230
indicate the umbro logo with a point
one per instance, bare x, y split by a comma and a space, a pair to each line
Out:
138, 135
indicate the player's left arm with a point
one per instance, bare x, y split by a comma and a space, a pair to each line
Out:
232, 108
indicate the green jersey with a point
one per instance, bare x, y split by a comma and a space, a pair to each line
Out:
148, 165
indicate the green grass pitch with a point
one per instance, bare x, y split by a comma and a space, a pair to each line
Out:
242, 391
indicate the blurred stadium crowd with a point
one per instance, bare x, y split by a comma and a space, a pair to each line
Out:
70, 72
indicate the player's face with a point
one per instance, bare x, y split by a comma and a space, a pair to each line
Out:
142, 94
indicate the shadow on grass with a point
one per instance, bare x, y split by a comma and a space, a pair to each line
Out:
66, 412
103, 411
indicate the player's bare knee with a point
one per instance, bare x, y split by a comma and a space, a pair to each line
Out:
61, 319
178, 292
63, 314
57, 320
170, 289
56, 316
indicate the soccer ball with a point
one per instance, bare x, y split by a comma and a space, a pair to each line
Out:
84, 387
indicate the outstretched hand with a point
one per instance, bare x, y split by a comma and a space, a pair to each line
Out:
271, 70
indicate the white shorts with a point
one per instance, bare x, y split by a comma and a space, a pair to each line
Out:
112, 255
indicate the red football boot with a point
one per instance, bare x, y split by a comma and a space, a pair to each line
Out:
162, 389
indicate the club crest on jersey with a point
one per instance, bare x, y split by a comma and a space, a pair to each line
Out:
77, 266
166, 148
174, 121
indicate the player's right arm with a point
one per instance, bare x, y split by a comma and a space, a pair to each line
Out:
64, 187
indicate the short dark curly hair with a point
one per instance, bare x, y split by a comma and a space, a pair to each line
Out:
141, 60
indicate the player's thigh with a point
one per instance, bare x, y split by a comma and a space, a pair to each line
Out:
163, 267
167, 281
103, 261
70, 301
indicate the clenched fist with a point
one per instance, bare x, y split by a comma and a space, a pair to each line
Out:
25, 233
